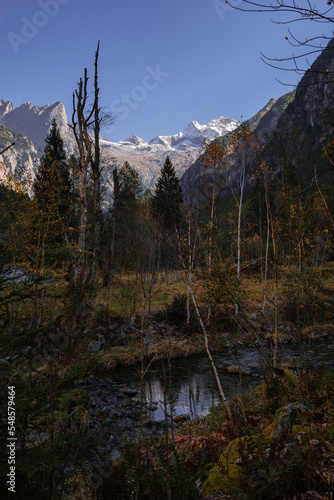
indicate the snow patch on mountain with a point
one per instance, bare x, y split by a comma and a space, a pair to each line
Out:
147, 158
183, 148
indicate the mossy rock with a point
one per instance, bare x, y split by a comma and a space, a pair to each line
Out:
285, 418
227, 474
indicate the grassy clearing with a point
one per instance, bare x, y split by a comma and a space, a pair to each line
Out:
129, 296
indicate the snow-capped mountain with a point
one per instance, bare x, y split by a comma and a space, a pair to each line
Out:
147, 158
183, 148
195, 134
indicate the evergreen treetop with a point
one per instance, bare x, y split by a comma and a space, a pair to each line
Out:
52, 185
168, 195
55, 144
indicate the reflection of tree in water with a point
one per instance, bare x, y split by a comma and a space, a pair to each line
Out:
194, 388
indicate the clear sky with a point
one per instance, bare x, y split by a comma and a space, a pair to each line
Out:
162, 63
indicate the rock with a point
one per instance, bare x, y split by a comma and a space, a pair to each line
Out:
101, 339
148, 423
130, 392
122, 335
239, 370
181, 418
101, 330
149, 338
290, 362
113, 326
285, 418
94, 346
152, 408
26, 350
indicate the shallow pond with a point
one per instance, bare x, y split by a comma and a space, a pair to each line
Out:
193, 386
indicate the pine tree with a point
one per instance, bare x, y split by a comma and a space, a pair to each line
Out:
168, 196
53, 199
52, 187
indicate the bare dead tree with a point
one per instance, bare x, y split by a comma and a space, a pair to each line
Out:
96, 174
80, 124
327, 210
84, 122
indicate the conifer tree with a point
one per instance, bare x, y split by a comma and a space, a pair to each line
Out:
52, 187
52, 198
168, 196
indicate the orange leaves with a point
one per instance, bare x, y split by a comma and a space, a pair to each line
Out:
214, 156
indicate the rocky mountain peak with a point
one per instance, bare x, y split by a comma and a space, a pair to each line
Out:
35, 122
134, 139
5, 107
183, 148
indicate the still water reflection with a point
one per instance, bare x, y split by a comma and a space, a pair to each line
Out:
193, 385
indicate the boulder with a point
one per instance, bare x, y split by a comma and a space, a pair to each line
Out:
130, 392
239, 370
101, 330
94, 346
101, 339
149, 338
291, 362
181, 418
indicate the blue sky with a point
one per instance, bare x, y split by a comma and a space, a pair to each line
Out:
162, 64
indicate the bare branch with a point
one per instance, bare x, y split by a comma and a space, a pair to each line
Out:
301, 10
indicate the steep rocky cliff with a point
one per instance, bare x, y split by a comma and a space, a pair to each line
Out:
35, 122
22, 156
311, 115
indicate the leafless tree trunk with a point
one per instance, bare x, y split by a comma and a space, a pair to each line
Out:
111, 263
239, 203
79, 126
89, 156
328, 213
275, 256
96, 173
266, 260
206, 340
